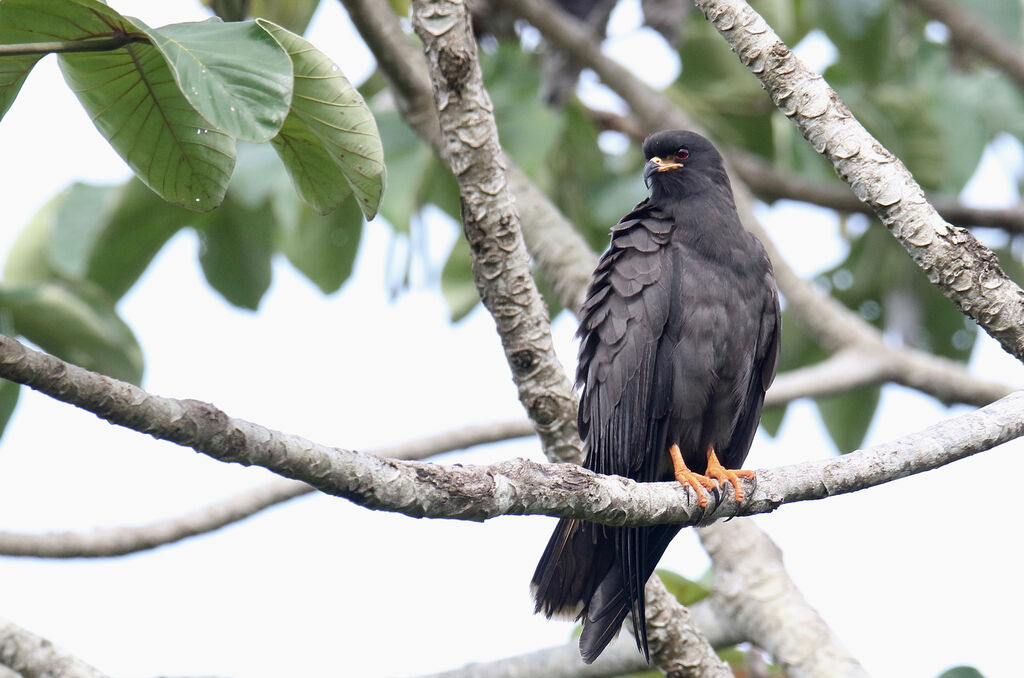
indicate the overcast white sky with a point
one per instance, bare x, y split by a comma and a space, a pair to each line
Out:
320, 587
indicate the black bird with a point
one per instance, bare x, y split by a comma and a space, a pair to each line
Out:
679, 340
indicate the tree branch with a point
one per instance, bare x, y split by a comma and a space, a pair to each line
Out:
978, 36
35, 657
798, 639
960, 266
119, 541
516, 487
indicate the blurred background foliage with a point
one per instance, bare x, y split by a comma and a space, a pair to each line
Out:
923, 96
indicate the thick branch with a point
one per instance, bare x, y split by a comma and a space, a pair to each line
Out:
971, 32
119, 541
960, 266
501, 267
516, 487
35, 657
798, 639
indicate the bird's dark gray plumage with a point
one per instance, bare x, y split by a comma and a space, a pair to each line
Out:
679, 339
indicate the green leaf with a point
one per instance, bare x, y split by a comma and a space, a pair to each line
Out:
848, 416
772, 418
79, 220
457, 281
13, 71
9, 391
236, 246
28, 261
686, 591
528, 128
413, 166
961, 672
324, 248
9, 394
326, 107
235, 75
138, 225
136, 105
77, 324
294, 15
132, 98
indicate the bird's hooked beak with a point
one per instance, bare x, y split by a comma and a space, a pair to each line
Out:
656, 164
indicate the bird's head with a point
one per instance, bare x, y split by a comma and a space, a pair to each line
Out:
679, 157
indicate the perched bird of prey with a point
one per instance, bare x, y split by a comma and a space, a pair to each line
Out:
679, 340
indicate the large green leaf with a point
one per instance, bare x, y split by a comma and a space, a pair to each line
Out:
79, 220
77, 324
28, 261
235, 75
138, 224
294, 15
9, 391
410, 164
236, 246
686, 591
961, 672
9, 394
326, 107
848, 416
133, 99
324, 248
13, 71
136, 104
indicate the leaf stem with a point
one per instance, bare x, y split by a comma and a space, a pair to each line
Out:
107, 44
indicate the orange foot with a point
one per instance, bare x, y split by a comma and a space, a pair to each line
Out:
690, 479
723, 475
715, 472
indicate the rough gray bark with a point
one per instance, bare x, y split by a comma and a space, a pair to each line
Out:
32, 656
960, 266
515, 487
500, 263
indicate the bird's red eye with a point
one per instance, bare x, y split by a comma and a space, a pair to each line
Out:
682, 154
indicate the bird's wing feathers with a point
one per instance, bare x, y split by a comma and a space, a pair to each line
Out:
626, 308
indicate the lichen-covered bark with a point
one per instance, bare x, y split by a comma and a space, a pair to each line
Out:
962, 268
514, 487
491, 225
